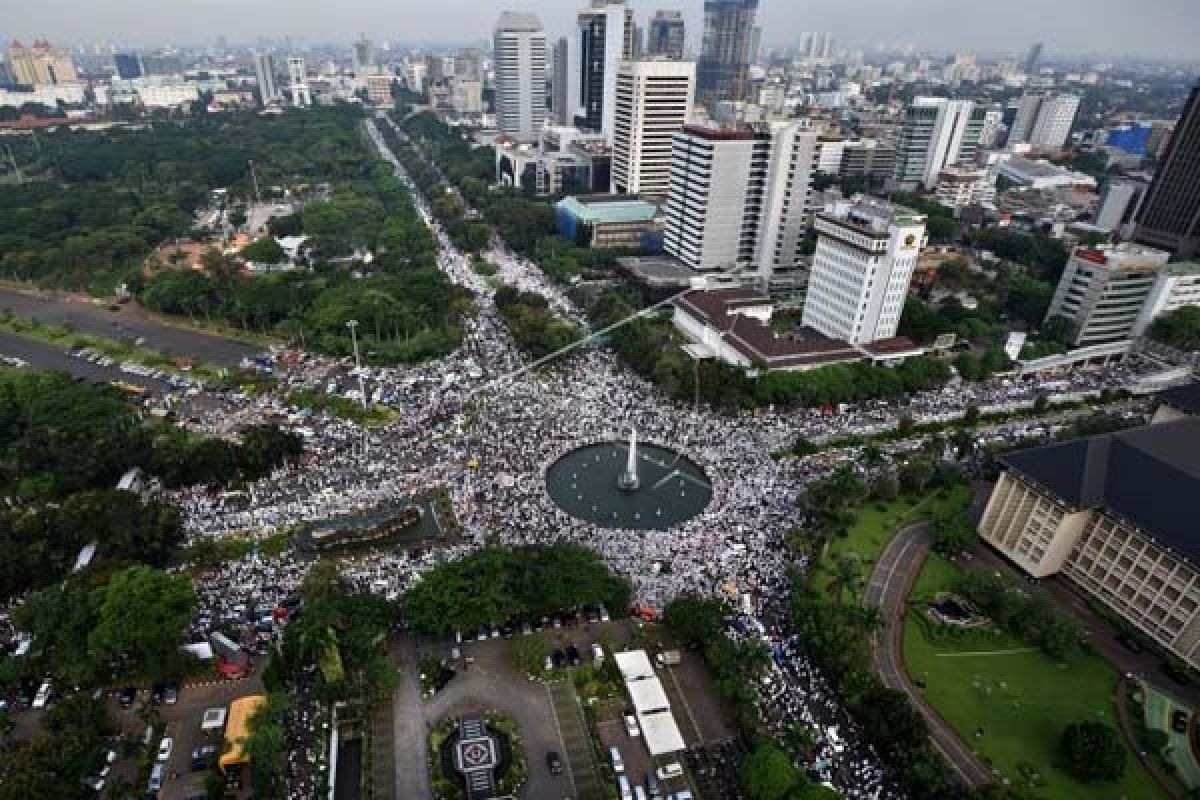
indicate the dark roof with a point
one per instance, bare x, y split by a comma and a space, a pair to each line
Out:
1186, 398
1149, 476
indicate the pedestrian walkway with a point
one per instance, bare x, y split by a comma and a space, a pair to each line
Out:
383, 751
581, 760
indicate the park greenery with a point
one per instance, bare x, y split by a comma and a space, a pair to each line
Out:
1022, 612
1092, 751
533, 326
1179, 329
69, 745
108, 198
336, 646
63, 447
267, 746
497, 584
767, 773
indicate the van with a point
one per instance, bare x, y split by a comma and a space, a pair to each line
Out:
668, 771
157, 775
614, 757
43, 695
623, 788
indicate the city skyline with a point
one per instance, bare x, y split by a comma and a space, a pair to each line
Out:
1162, 28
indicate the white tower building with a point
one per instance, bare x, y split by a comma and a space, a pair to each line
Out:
937, 132
520, 69
1044, 120
653, 101
298, 82
866, 252
264, 73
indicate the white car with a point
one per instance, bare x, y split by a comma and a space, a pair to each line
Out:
164, 749
631, 725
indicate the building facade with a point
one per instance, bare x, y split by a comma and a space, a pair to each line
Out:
1102, 291
727, 51
1170, 213
937, 133
560, 112
1177, 285
714, 205
128, 66
1043, 120
959, 187
653, 101
1119, 204
264, 73
787, 202
665, 35
40, 64
298, 82
1112, 514
866, 253
604, 38
519, 61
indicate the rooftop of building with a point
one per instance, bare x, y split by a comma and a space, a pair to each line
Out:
718, 133
755, 339
519, 21
1126, 255
608, 208
871, 215
1149, 476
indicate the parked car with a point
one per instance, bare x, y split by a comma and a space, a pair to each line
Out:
554, 763
669, 771
127, 696
614, 757
631, 724
164, 749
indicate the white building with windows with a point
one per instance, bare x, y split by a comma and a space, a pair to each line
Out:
1103, 290
786, 206
866, 253
519, 63
937, 132
959, 187
653, 102
1043, 120
298, 82
1177, 285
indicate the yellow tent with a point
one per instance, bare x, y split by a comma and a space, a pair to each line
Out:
237, 728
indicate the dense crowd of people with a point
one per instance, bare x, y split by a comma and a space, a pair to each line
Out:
482, 428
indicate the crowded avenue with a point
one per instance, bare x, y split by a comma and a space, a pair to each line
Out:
479, 427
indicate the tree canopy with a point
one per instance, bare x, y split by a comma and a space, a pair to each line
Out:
1092, 751
1179, 328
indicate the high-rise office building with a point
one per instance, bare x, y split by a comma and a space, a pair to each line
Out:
298, 82
666, 35
604, 38
1033, 58
264, 73
739, 197
1043, 120
520, 66
364, 58
653, 101
714, 207
40, 64
866, 253
1103, 289
937, 132
128, 65
1119, 204
560, 78
1170, 213
1177, 285
726, 53
815, 45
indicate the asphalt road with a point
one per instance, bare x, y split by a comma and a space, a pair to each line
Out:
891, 581
44, 356
127, 323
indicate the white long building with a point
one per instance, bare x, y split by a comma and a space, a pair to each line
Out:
866, 253
520, 75
653, 102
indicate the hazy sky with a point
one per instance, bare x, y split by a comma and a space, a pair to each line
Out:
1163, 27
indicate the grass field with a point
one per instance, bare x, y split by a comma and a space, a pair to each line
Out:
876, 526
1020, 699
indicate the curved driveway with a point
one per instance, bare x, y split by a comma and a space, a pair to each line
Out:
891, 581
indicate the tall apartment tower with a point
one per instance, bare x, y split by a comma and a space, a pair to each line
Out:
726, 52
739, 198
1043, 120
298, 82
1033, 58
866, 253
653, 102
718, 179
1102, 291
128, 65
666, 35
264, 73
364, 57
937, 132
560, 79
604, 39
520, 67
1170, 213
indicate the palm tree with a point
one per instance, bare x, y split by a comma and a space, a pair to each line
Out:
846, 576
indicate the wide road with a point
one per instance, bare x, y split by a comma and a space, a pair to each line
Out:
888, 590
40, 355
128, 323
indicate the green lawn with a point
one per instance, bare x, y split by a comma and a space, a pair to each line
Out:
1021, 700
876, 526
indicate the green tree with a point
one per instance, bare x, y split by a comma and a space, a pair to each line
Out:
768, 774
1092, 751
141, 616
264, 250
1179, 328
693, 619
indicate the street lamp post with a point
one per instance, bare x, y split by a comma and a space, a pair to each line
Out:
362, 389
